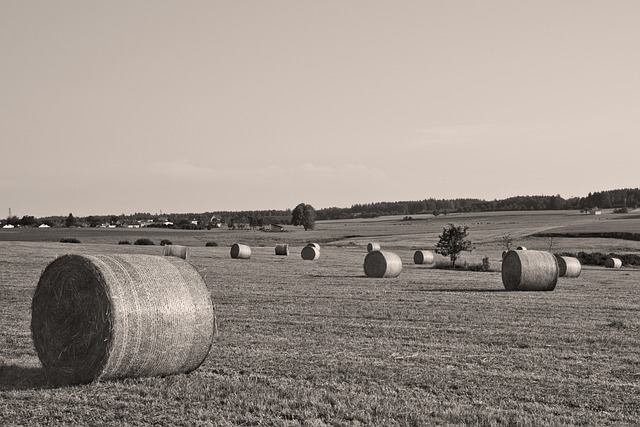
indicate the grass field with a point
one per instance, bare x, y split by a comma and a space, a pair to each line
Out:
317, 343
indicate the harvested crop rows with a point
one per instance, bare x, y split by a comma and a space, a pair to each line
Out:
319, 343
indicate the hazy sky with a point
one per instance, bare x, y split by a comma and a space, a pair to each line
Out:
190, 106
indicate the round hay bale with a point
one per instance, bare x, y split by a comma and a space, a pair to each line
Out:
521, 248
373, 247
239, 251
310, 253
568, 266
381, 264
613, 262
314, 245
114, 316
282, 249
529, 271
424, 257
177, 251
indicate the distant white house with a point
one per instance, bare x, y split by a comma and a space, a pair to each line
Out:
8, 226
43, 226
592, 211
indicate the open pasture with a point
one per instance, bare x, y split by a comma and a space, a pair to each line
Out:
318, 343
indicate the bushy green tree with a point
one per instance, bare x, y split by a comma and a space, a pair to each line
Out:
453, 241
296, 215
28, 221
70, 221
304, 215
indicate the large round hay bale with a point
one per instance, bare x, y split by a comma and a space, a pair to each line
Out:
529, 271
310, 253
569, 266
613, 262
282, 249
176, 250
373, 247
424, 257
115, 316
382, 264
239, 251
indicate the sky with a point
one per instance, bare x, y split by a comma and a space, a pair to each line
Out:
202, 106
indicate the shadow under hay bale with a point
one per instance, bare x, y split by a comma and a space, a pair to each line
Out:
282, 249
529, 271
613, 262
568, 266
310, 253
239, 251
176, 251
382, 264
115, 316
424, 257
373, 247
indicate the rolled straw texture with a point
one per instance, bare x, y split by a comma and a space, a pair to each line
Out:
177, 251
529, 271
613, 262
424, 257
381, 264
373, 247
115, 316
282, 249
310, 253
569, 266
239, 251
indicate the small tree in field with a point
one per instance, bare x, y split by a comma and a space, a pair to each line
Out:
507, 241
453, 241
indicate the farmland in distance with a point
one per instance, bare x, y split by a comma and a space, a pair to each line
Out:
318, 343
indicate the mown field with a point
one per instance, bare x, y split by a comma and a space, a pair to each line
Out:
317, 343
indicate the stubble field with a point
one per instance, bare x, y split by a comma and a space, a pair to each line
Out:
317, 343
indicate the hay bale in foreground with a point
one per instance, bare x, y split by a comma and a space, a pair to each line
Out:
373, 247
310, 253
529, 271
282, 249
176, 250
613, 262
239, 251
381, 264
569, 266
424, 257
114, 316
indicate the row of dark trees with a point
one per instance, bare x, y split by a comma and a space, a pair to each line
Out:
620, 199
628, 197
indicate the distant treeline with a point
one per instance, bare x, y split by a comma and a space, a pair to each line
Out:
620, 199
603, 199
